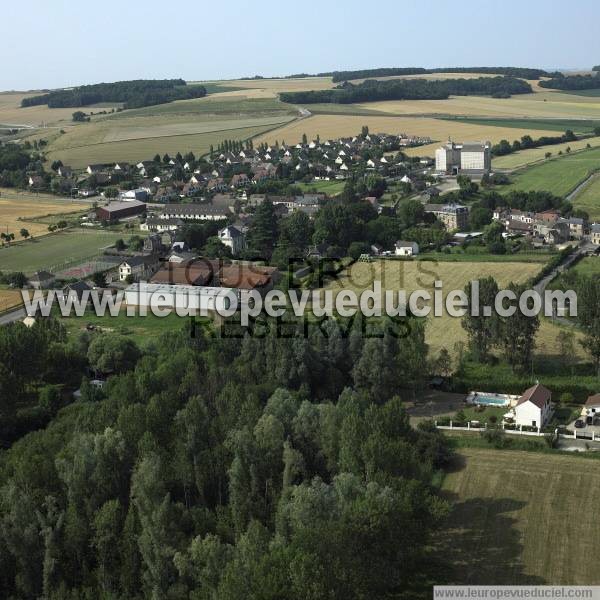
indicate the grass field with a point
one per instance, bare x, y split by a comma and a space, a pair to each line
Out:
146, 148
53, 251
175, 127
139, 329
588, 266
588, 198
559, 176
535, 155
520, 518
16, 205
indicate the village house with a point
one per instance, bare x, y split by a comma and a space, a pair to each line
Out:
137, 267
406, 248
534, 407
234, 238
453, 216
595, 234
591, 408
577, 227
76, 290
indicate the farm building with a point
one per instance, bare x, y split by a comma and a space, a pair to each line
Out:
115, 211
533, 407
201, 212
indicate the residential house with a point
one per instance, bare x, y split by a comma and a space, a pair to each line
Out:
65, 171
76, 290
234, 238
534, 407
165, 194
453, 216
591, 408
36, 181
595, 234
577, 227
95, 169
406, 248
137, 267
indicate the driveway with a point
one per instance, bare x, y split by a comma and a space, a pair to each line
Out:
434, 403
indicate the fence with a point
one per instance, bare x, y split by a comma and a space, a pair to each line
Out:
468, 427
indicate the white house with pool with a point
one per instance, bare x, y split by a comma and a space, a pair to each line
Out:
532, 408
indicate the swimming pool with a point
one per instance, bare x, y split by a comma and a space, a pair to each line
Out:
490, 400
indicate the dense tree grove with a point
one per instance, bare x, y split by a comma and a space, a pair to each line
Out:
133, 94
411, 89
215, 467
572, 82
521, 72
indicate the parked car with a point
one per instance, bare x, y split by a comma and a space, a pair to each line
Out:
579, 423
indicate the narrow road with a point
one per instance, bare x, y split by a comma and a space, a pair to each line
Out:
581, 186
12, 316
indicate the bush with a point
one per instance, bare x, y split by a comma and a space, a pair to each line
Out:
567, 398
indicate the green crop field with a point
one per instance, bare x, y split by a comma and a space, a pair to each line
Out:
537, 155
588, 198
559, 176
51, 251
508, 505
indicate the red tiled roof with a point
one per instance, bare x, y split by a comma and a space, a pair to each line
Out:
593, 400
538, 394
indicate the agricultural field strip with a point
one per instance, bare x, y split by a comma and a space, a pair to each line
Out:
521, 500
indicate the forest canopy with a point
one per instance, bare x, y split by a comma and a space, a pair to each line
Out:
411, 89
133, 94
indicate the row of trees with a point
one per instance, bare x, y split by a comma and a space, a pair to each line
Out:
520, 72
411, 89
504, 147
133, 94
573, 82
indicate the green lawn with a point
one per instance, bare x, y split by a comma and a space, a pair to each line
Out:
559, 176
139, 329
331, 188
51, 251
520, 518
588, 198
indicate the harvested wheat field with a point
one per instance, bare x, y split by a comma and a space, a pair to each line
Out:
10, 299
519, 518
15, 206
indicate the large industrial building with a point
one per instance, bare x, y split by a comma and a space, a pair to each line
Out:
469, 158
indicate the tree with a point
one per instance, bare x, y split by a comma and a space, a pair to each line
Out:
112, 353
588, 315
99, 279
482, 330
215, 248
411, 212
566, 348
517, 334
263, 230
24, 233
443, 363
80, 117
120, 245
